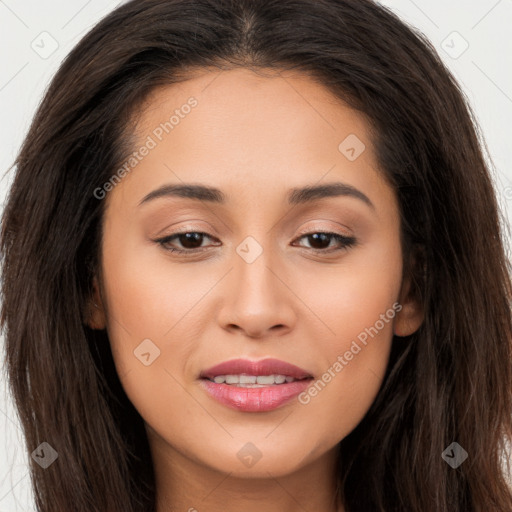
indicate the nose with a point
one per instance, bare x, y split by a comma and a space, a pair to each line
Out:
257, 300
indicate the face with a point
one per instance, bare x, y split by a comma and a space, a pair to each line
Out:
254, 279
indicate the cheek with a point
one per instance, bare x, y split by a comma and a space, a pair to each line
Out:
146, 304
339, 398
357, 306
349, 301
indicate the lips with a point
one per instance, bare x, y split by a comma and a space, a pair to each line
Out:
227, 384
263, 367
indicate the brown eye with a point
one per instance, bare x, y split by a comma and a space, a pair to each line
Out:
320, 241
189, 241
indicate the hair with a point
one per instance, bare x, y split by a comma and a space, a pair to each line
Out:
449, 381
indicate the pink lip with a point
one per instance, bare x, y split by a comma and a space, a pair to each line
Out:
255, 399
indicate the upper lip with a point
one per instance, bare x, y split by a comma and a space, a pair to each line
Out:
262, 367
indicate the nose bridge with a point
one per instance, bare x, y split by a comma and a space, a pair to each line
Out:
255, 258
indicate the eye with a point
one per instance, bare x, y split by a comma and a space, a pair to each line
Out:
191, 241
321, 240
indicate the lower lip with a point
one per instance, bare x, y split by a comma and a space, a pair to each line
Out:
255, 399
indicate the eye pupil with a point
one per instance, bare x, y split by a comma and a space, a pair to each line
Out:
191, 237
322, 237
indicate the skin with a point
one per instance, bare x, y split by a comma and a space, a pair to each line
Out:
254, 138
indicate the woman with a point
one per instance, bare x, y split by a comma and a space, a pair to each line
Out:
252, 259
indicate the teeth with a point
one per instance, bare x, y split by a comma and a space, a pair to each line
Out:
247, 379
255, 381
265, 379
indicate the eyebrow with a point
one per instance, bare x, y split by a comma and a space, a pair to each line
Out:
295, 196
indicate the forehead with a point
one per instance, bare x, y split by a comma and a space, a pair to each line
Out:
238, 130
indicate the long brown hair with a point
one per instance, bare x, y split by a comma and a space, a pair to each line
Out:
451, 381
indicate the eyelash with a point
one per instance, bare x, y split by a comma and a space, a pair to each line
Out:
345, 241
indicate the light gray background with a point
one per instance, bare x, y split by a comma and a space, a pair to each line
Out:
36, 36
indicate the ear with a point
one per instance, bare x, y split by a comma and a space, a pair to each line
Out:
94, 315
410, 317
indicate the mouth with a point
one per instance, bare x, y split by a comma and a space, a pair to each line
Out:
254, 386
232, 370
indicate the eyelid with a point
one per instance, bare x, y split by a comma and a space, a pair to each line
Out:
303, 231
323, 229
185, 228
